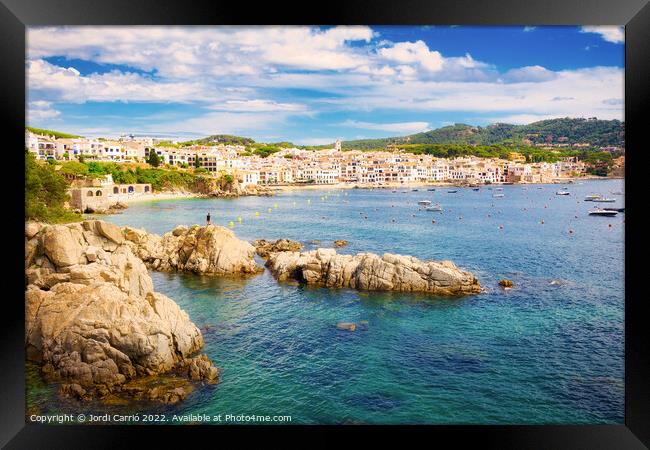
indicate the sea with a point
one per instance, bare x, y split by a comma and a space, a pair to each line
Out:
548, 351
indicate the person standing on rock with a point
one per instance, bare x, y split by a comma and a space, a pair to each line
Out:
208, 219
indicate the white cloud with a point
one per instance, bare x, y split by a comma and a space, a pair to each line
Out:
398, 127
608, 33
529, 74
40, 110
413, 52
256, 105
68, 85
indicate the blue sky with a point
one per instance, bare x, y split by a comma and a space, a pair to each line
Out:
312, 85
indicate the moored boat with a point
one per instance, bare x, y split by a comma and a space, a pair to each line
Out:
604, 200
452, 191
435, 208
562, 192
424, 202
602, 212
591, 198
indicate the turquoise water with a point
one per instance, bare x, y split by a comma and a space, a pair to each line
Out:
550, 350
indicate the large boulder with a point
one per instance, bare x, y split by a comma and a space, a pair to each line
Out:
368, 271
97, 334
210, 250
94, 321
63, 245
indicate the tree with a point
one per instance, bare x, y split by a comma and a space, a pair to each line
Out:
197, 163
45, 193
153, 160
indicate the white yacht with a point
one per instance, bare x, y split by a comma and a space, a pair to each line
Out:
424, 202
602, 212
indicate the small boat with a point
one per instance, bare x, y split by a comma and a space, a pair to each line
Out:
414, 190
498, 195
431, 190
498, 189
591, 198
562, 192
393, 191
424, 202
617, 193
435, 208
476, 189
604, 200
615, 209
602, 212
452, 192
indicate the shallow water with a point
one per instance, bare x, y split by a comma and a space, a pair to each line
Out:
550, 350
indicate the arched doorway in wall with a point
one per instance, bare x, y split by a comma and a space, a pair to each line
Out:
98, 193
146, 188
116, 190
130, 189
89, 194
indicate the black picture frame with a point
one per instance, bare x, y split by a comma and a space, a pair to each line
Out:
15, 15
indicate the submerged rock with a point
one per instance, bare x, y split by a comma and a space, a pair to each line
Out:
264, 248
210, 250
340, 243
505, 283
92, 318
346, 326
368, 271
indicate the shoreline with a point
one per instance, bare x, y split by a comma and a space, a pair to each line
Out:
170, 195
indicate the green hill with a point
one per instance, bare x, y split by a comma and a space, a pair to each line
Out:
56, 134
594, 132
220, 139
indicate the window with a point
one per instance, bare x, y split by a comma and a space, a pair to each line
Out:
89, 194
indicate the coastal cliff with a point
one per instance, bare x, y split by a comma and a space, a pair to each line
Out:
368, 271
94, 322
209, 250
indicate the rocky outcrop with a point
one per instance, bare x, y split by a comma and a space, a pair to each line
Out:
264, 248
93, 319
115, 208
340, 243
368, 271
209, 250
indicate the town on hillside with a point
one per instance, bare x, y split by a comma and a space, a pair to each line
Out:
295, 166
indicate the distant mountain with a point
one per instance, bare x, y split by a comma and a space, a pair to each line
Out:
594, 132
221, 139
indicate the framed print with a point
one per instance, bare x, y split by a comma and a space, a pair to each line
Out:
407, 219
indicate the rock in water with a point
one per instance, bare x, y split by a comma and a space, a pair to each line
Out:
264, 248
505, 283
209, 250
94, 321
346, 326
368, 271
340, 243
